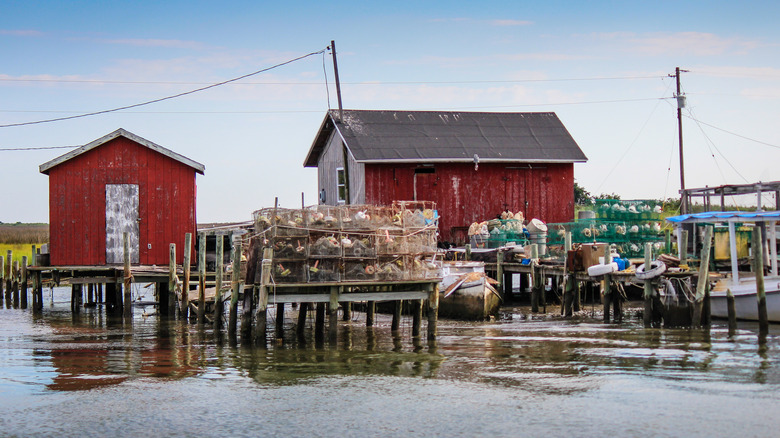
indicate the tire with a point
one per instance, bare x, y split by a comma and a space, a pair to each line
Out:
657, 268
599, 270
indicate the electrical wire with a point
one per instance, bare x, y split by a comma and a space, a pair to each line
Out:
167, 97
732, 133
38, 148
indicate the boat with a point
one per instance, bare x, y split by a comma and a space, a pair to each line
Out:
742, 284
467, 292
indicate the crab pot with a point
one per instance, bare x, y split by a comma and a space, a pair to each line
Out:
289, 272
325, 217
323, 270
390, 241
358, 245
290, 248
392, 268
324, 244
360, 269
357, 217
421, 242
422, 268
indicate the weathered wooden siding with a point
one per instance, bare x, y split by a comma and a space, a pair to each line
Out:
333, 158
464, 196
77, 202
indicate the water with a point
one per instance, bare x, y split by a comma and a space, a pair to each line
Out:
521, 375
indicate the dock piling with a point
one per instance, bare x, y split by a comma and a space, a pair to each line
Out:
172, 281
23, 283
701, 286
2, 278
235, 286
433, 313
647, 316
219, 308
185, 288
758, 268
128, 277
202, 279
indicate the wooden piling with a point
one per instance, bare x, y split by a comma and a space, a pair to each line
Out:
647, 316
15, 282
219, 309
261, 319
346, 310
500, 269
279, 320
416, 317
23, 283
396, 324
251, 288
569, 291
758, 268
606, 288
731, 306
303, 311
202, 279
433, 313
370, 313
91, 294
128, 276
333, 311
2, 278
8, 274
172, 280
100, 293
683, 247
185, 287
468, 252
536, 285
235, 286
319, 322
37, 292
704, 272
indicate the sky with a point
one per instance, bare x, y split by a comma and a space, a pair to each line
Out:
602, 66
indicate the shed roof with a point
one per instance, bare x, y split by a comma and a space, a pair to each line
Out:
45, 167
429, 136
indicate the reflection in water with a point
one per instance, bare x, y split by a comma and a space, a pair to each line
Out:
537, 358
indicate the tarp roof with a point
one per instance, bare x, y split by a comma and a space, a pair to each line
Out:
45, 167
725, 216
430, 136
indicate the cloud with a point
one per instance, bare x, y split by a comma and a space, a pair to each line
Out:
151, 42
679, 43
511, 23
21, 32
738, 72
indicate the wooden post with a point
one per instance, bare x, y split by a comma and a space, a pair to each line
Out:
251, 288
128, 275
23, 283
396, 324
468, 252
647, 317
370, 313
185, 287
38, 292
262, 299
15, 282
319, 322
668, 240
500, 269
8, 277
535, 279
33, 257
606, 284
346, 310
202, 279
300, 329
219, 309
172, 280
732, 312
569, 291
279, 333
100, 292
2, 277
758, 268
91, 294
433, 312
235, 286
704, 273
683, 247
416, 317
333, 313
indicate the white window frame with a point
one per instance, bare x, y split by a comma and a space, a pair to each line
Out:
341, 195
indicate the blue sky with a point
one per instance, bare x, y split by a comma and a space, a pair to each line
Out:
601, 66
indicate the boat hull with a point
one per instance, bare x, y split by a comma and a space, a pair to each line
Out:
745, 299
471, 301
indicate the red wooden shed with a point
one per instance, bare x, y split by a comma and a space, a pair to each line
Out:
116, 184
474, 165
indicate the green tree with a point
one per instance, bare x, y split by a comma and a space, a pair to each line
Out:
581, 196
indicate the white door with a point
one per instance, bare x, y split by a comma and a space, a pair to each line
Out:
121, 217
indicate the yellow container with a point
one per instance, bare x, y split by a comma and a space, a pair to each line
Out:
722, 250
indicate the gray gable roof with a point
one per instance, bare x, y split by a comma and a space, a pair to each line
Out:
45, 167
429, 136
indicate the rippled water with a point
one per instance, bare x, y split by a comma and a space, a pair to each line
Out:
522, 375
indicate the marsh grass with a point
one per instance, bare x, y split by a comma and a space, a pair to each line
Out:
19, 238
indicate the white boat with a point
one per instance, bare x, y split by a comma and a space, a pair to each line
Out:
466, 292
742, 284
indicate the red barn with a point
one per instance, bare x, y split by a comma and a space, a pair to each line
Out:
473, 165
116, 184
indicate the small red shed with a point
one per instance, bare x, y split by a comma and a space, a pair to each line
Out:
474, 165
120, 183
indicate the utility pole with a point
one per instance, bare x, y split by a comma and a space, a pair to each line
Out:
338, 83
680, 105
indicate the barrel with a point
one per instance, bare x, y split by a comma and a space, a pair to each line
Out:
540, 239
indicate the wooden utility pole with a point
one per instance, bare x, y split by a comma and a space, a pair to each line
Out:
338, 83
680, 104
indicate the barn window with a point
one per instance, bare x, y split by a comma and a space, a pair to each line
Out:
341, 184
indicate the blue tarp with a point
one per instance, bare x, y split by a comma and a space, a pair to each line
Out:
748, 216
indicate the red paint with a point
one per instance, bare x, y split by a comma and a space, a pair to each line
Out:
77, 203
464, 195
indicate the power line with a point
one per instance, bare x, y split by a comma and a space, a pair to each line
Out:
732, 133
38, 148
167, 97
116, 82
